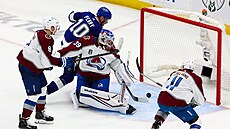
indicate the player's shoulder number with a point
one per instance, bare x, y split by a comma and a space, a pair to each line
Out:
77, 44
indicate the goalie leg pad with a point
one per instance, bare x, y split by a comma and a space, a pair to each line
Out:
74, 99
103, 100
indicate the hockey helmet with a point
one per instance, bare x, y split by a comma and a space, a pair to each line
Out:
103, 11
50, 21
188, 64
106, 38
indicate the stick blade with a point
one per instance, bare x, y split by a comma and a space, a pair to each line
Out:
143, 100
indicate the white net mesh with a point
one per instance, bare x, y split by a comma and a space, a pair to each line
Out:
169, 40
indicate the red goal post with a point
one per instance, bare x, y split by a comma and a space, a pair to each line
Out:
161, 30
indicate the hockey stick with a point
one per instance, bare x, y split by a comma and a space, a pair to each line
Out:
120, 43
135, 98
103, 54
127, 67
141, 72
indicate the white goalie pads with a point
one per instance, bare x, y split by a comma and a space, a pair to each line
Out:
121, 73
103, 100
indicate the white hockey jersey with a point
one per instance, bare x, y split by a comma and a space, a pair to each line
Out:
184, 86
36, 55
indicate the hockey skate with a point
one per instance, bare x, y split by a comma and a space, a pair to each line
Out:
131, 110
42, 118
156, 124
25, 124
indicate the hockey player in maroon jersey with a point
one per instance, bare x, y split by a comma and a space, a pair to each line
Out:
182, 92
93, 74
33, 59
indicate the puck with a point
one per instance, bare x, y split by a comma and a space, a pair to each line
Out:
148, 95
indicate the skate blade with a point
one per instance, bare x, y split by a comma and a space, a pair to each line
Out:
43, 122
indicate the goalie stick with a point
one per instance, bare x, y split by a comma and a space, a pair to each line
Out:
141, 72
122, 92
135, 98
120, 43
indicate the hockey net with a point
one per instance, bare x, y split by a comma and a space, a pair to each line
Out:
169, 36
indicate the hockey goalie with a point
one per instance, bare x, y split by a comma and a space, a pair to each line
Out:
93, 74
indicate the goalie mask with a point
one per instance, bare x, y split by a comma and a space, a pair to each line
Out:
188, 64
106, 39
50, 21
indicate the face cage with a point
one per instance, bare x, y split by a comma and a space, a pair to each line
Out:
107, 44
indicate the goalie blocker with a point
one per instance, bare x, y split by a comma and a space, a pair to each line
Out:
102, 100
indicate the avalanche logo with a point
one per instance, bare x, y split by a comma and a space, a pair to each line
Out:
97, 62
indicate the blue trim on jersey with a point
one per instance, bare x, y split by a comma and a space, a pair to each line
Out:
29, 102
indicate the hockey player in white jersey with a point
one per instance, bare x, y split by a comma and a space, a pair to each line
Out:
181, 93
33, 59
93, 74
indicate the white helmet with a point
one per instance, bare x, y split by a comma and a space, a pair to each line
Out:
50, 21
188, 64
106, 38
